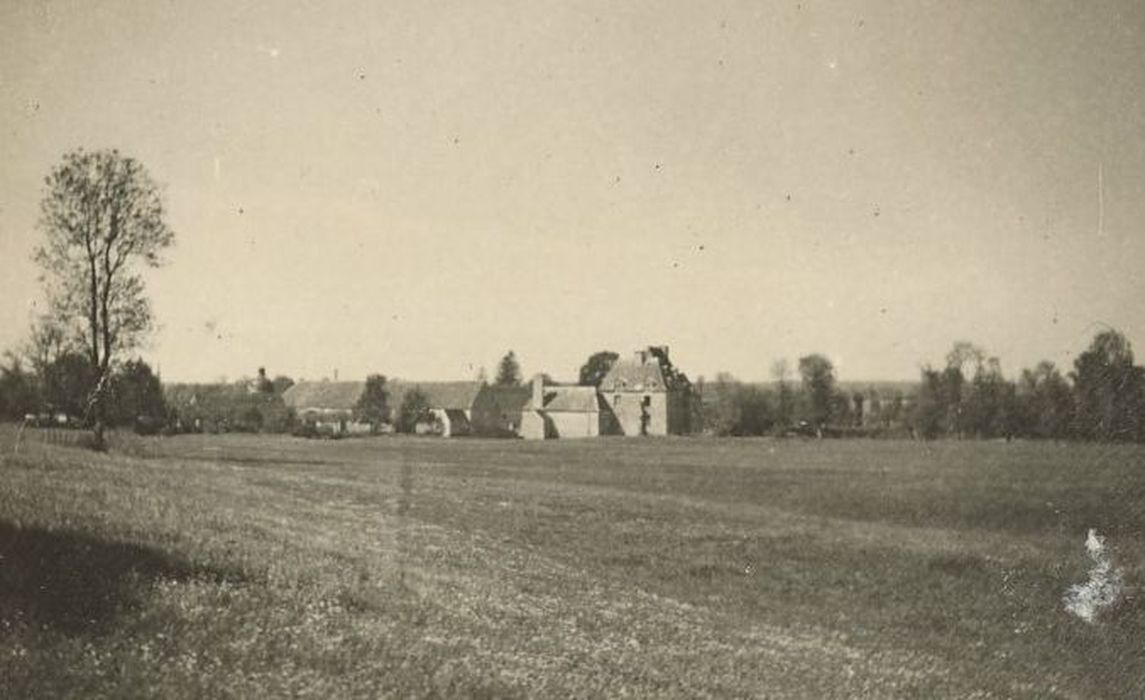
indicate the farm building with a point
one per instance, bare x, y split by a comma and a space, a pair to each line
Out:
457, 408
450, 403
328, 406
497, 410
564, 412
223, 407
647, 395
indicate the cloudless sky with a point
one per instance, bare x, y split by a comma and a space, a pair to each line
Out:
415, 187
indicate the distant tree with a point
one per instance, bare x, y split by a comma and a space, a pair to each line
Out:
965, 354
102, 217
858, 404
373, 405
696, 422
1107, 390
785, 403
67, 382
594, 370
950, 396
249, 420
722, 411
733, 408
819, 387
756, 416
964, 359
1046, 402
281, 383
891, 411
19, 389
990, 406
928, 417
136, 397
49, 340
508, 371
414, 408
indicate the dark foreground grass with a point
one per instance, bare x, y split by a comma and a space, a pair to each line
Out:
254, 567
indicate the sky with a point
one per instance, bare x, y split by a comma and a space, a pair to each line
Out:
413, 188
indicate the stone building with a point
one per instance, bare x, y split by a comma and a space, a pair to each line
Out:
647, 395
558, 411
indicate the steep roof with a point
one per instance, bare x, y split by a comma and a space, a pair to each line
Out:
452, 396
325, 395
578, 399
633, 375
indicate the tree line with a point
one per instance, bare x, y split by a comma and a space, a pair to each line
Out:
1101, 399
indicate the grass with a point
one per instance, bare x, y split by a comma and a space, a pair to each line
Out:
247, 566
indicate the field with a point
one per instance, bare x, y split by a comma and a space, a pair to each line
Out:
248, 566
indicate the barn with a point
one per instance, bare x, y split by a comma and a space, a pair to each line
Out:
328, 406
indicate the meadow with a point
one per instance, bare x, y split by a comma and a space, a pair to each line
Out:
260, 566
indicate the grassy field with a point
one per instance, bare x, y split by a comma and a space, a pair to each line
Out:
264, 566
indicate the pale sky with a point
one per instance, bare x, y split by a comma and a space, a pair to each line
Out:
413, 188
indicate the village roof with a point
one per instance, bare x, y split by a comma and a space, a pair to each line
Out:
450, 396
573, 399
344, 395
324, 395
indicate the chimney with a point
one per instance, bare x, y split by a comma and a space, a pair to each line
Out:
539, 391
641, 357
262, 373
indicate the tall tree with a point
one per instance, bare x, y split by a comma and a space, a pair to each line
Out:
596, 368
103, 219
1107, 389
414, 408
781, 373
508, 371
137, 397
965, 359
373, 405
1046, 402
927, 418
819, 386
990, 406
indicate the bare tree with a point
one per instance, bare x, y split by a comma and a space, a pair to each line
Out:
103, 219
